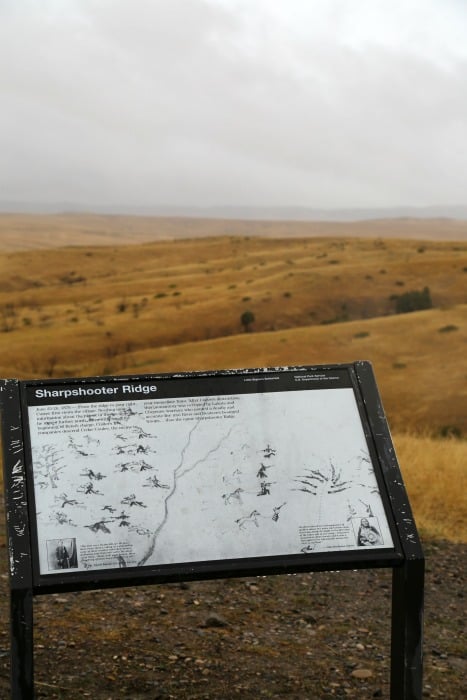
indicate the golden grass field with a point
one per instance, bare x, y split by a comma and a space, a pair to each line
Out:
110, 295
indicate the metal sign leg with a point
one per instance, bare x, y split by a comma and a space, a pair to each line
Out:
407, 631
22, 654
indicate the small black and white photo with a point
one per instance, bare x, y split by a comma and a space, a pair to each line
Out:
62, 554
367, 532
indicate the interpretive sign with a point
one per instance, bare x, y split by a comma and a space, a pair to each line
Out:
154, 478
133, 474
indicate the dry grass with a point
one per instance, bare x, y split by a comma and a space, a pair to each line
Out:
425, 391
169, 306
435, 477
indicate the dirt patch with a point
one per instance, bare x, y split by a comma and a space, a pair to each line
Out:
316, 636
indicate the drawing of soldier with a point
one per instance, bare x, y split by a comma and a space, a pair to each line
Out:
269, 452
124, 521
124, 466
89, 474
101, 525
264, 489
68, 501
275, 512
262, 474
131, 501
143, 434
155, 483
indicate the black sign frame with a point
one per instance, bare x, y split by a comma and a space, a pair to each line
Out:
405, 557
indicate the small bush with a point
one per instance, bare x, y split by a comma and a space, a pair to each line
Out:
450, 431
448, 329
72, 278
416, 300
246, 319
361, 334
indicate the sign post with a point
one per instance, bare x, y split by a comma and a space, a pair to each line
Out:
114, 481
18, 531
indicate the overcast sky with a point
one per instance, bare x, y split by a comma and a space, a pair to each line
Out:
317, 103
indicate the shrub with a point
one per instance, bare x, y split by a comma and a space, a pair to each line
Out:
416, 300
450, 431
246, 319
448, 329
72, 278
8, 318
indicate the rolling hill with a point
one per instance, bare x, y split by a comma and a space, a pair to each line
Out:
69, 307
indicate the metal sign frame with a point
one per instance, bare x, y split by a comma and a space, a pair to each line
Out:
404, 555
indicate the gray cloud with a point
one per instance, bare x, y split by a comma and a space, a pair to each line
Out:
209, 102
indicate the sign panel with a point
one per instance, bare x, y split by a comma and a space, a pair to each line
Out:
153, 471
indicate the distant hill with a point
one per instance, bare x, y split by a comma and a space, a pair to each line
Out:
255, 213
36, 231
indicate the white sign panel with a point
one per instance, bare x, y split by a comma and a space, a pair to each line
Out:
150, 481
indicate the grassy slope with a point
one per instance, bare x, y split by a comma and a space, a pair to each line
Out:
171, 306
420, 370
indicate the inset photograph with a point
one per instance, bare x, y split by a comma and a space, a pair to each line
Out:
367, 532
62, 554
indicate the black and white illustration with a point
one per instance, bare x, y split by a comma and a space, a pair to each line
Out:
170, 480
